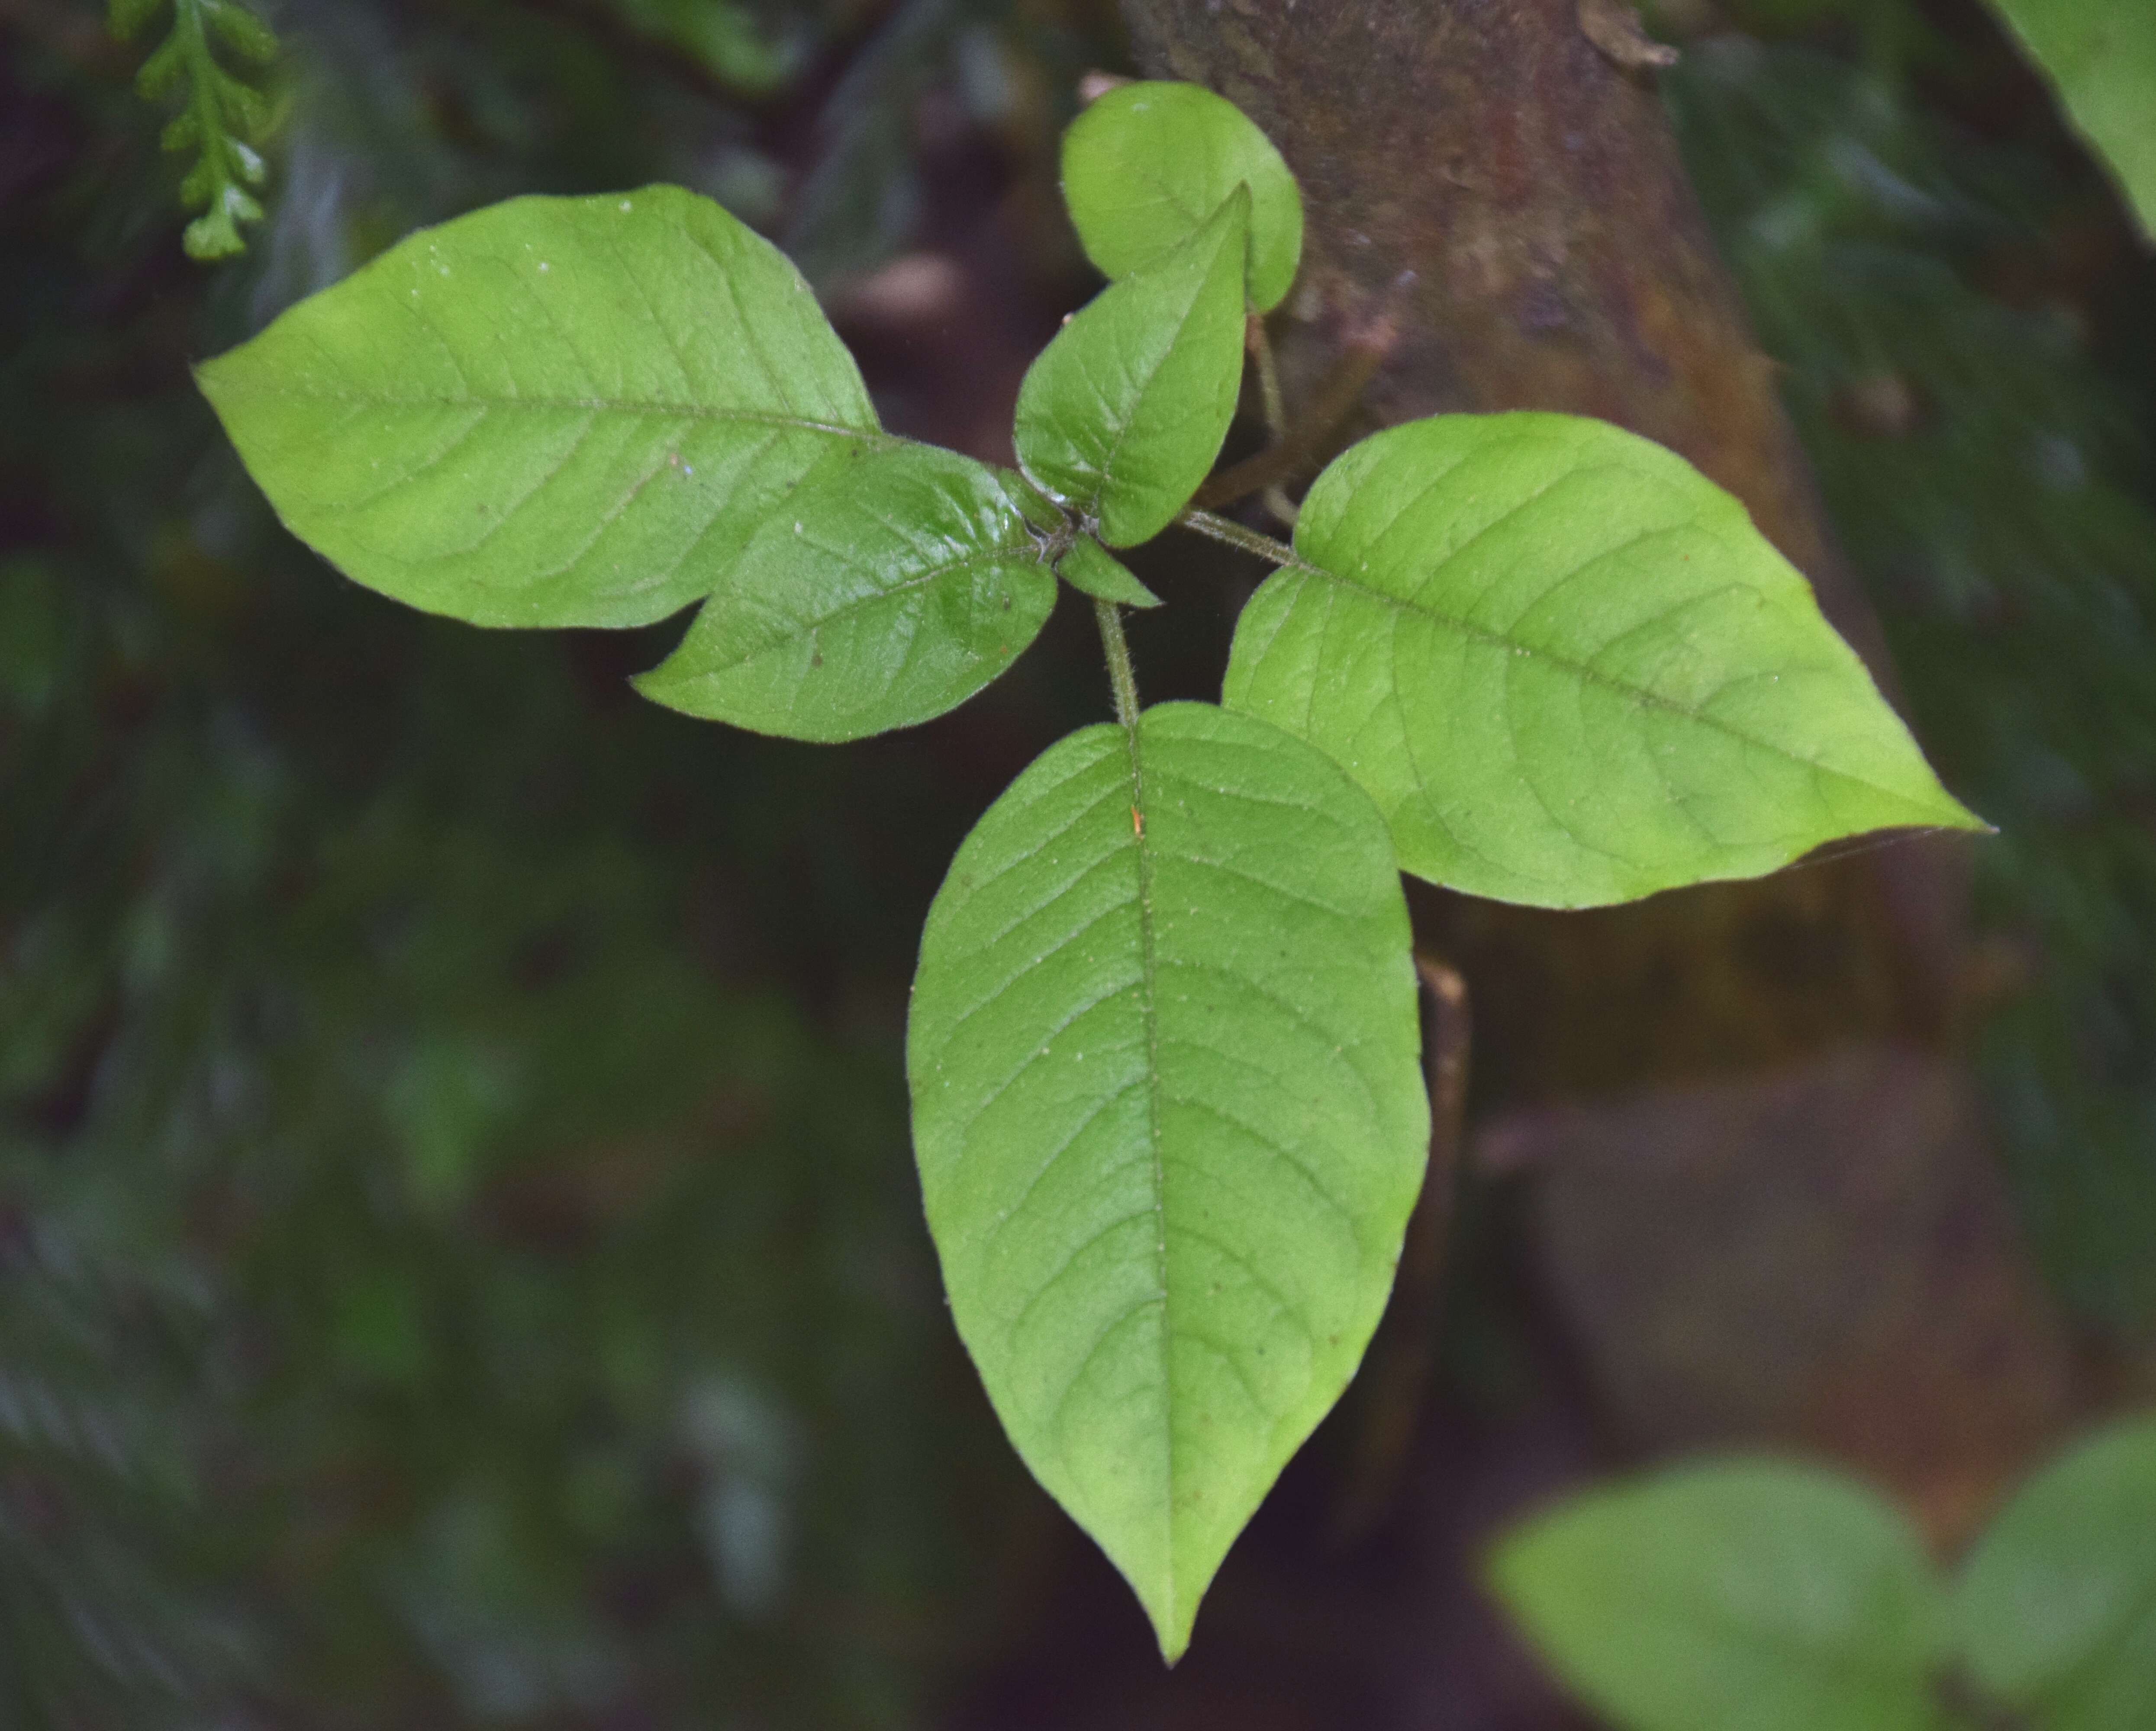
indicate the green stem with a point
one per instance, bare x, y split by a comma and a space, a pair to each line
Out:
1232, 534
1269, 385
1119, 675
1274, 495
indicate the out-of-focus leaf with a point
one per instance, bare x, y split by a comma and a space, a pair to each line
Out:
1738, 1595
2100, 57
2055, 1608
863, 199
729, 39
222, 117
33, 633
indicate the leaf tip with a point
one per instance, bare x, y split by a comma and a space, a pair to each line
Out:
1947, 813
1173, 1616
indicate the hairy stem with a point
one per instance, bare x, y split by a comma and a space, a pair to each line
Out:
1261, 346
1119, 675
1294, 448
1231, 533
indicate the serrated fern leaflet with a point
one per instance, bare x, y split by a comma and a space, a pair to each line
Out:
222, 117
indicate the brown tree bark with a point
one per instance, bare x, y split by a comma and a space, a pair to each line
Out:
1493, 191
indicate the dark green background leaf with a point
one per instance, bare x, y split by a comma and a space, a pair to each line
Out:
552, 412
896, 582
1170, 1120
1567, 667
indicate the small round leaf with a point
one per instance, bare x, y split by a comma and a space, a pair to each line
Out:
1147, 163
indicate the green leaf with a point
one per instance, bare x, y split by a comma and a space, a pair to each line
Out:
1567, 668
1091, 569
124, 17
1170, 1122
1146, 164
2056, 1605
220, 117
552, 412
240, 30
1738, 1595
2100, 54
1121, 416
898, 580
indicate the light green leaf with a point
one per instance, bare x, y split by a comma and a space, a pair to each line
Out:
1122, 415
2101, 55
1146, 164
220, 118
1567, 668
552, 412
1170, 1123
1737, 1596
896, 583
1091, 569
2056, 1605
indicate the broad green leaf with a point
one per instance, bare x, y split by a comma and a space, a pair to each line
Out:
1737, 1596
1169, 1119
1091, 569
1122, 415
1146, 164
552, 412
1567, 668
2056, 1605
2100, 54
897, 580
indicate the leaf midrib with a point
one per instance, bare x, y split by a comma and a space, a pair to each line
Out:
1149, 977
1152, 379
1488, 639
993, 555
586, 405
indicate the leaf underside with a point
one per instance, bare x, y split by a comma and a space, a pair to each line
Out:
2056, 1606
1731, 1596
1568, 668
552, 412
896, 582
1121, 416
1169, 1119
1145, 166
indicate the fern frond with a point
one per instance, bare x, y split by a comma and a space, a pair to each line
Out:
221, 115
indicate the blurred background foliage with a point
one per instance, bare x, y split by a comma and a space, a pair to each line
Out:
460, 1258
